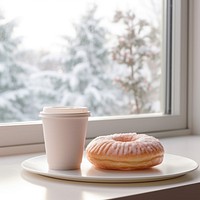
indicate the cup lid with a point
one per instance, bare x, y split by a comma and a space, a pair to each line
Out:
65, 110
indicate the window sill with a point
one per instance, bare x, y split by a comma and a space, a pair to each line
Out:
36, 147
25, 185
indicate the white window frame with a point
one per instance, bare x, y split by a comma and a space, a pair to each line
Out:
30, 133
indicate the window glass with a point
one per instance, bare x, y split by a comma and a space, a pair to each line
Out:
104, 54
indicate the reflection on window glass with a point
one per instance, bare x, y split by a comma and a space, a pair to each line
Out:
97, 53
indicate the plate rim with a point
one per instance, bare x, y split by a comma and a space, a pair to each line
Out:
99, 179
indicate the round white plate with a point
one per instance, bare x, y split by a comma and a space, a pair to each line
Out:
171, 167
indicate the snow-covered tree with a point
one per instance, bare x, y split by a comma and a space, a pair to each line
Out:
137, 50
13, 76
44, 80
86, 66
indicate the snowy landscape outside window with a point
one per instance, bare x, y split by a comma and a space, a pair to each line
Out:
106, 55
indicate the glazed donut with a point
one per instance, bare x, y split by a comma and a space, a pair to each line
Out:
125, 151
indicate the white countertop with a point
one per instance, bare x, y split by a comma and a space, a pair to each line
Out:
16, 183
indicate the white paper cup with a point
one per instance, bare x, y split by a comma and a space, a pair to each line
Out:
64, 135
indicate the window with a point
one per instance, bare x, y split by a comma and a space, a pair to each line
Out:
108, 60
39, 76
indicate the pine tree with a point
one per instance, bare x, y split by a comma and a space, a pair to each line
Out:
86, 66
13, 76
134, 51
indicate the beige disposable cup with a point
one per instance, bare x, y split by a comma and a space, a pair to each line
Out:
64, 135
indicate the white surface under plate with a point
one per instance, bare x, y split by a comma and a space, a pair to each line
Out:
171, 167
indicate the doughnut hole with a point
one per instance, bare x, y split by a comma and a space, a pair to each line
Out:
124, 138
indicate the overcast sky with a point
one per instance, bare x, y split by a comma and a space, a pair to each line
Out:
41, 22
